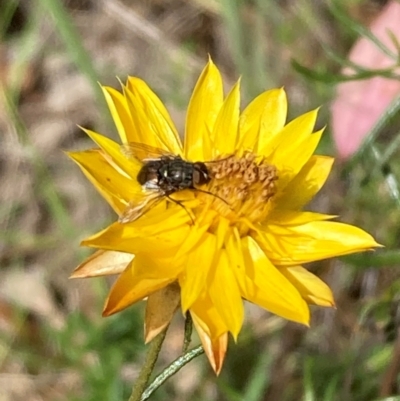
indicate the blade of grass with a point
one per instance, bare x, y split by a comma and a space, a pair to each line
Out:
390, 178
261, 78
249, 43
73, 42
234, 27
378, 259
259, 379
331, 389
47, 188
346, 62
333, 78
29, 40
6, 12
228, 392
392, 111
359, 29
390, 150
309, 394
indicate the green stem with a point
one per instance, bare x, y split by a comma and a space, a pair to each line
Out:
147, 369
175, 366
392, 110
188, 332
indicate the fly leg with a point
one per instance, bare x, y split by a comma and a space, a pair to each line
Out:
180, 203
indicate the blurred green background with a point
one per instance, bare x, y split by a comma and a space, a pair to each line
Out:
54, 345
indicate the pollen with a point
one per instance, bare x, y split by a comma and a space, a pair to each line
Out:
243, 186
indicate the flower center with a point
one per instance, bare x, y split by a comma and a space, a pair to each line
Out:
243, 186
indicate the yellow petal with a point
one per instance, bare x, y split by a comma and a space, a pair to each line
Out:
142, 277
295, 144
292, 218
160, 309
267, 287
225, 294
304, 243
214, 349
203, 109
133, 238
312, 289
129, 167
206, 316
196, 234
120, 114
262, 120
223, 230
292, 134
146, 130
233, 246
306, 184
164, 216
199, 262
225, 133
115, 187
103, 263
156, 114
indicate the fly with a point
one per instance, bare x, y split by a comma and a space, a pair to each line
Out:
161, 175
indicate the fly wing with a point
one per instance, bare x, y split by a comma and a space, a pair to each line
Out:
142, 152
140, 205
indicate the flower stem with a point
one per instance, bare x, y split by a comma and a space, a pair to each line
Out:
169, 371
188, 332
147, 369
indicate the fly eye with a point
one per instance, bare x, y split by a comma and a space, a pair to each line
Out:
196, 177
200, 174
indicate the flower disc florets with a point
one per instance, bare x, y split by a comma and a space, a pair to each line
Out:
246, 183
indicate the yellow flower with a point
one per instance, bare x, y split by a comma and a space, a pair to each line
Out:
242, 236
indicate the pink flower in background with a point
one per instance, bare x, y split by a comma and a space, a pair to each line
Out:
359, 104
